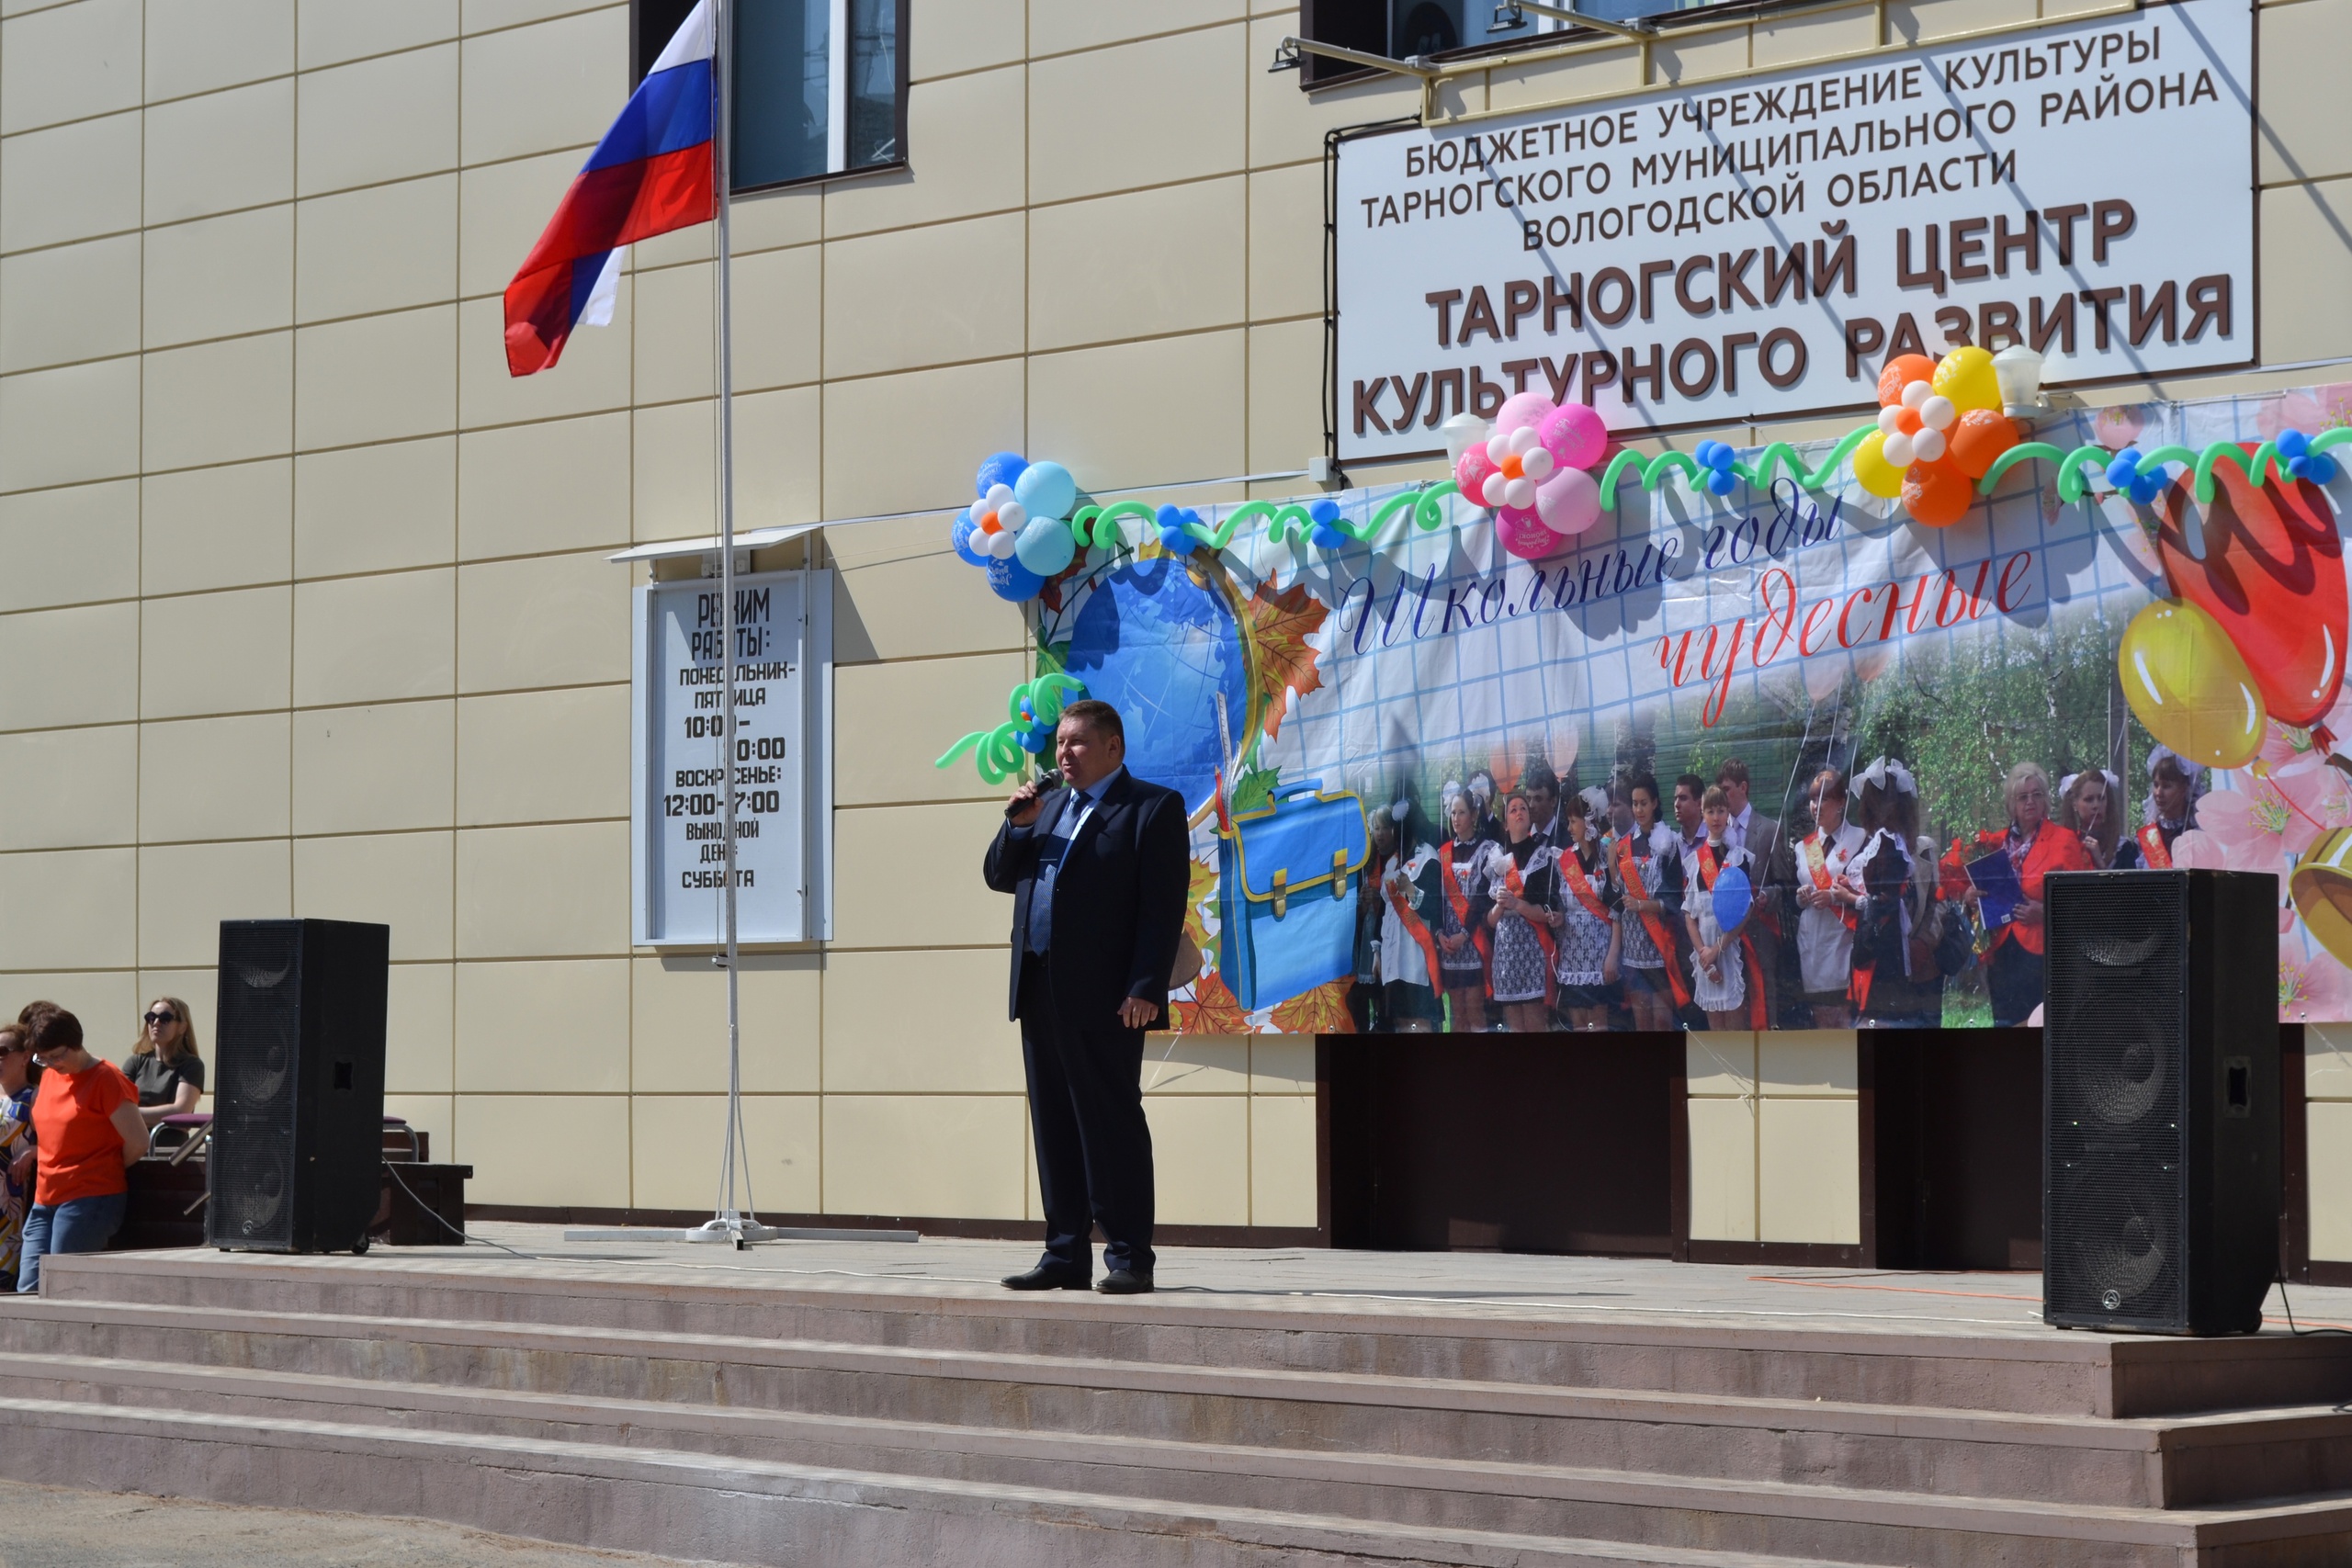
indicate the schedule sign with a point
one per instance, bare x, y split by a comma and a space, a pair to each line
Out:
678, 821
1756, 247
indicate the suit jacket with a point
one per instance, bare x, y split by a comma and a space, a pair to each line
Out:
1118, 899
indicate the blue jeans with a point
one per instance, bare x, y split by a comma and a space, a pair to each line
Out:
78, 1224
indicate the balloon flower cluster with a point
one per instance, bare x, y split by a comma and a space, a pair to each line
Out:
1017, 531
1532, 472
1939, 428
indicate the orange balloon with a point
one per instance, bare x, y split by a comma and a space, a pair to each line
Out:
1900, 372
1978, 438
1936, 493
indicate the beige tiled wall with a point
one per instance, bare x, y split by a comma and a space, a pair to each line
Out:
1775, 1149
2327, 1091
304, 603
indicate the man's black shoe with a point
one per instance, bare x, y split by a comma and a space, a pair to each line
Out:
1121, 1282
1044, 1279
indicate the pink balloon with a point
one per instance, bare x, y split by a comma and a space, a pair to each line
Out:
1520, 412
1575, 435
1569, 501
1524, 534
1473, 472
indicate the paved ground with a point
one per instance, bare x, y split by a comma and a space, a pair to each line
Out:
1307, 1280
48, 1527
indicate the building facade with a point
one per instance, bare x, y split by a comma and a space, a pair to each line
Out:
307, 608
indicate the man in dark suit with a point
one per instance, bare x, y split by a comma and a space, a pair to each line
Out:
1098, 871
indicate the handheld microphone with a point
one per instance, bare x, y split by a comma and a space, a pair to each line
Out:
1050, 780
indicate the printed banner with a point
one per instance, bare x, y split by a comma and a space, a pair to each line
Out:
1780, 758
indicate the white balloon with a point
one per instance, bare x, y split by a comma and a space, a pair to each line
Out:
996, 498
1519, 493
1001, 544
1010, 515
1891, 421
1928, 446
1898, 450
1523, 440
1536, 464
1917, 392
1937, 413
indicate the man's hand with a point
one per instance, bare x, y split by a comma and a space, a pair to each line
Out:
1133, 1011
1020, 808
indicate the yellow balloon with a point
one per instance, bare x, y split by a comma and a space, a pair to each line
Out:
1871, 469
2189, 685
1965, 375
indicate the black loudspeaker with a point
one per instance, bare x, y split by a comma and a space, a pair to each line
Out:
298, 1118
2160, 1101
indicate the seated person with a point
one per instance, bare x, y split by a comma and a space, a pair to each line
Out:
163, 1066
16, 1145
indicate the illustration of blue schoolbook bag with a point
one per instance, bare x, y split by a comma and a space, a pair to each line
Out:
1288, 878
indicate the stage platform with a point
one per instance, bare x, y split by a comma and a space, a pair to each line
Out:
874, 1403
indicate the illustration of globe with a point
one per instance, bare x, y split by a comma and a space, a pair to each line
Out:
1159, 644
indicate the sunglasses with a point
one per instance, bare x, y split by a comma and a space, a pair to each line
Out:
163, 1018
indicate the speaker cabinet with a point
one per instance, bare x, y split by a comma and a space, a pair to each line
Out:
2160, 1101
299, 1087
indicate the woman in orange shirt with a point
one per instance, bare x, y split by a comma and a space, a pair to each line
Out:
87, 1129
2035, 847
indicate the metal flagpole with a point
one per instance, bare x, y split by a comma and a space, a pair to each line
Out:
729, 1223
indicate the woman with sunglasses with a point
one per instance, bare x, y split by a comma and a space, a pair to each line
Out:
163, 1066
86, 1120
15, 1146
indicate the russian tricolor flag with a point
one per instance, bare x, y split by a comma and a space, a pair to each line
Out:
649, 174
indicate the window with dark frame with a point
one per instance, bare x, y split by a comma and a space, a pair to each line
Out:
819, 85
1398, 28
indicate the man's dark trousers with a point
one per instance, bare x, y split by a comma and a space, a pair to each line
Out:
1081, 1079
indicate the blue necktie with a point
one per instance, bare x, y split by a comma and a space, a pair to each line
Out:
1049, 860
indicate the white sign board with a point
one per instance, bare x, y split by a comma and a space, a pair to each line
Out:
1756, 247
782, 667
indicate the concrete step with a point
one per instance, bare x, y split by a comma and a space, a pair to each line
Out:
745, 1397
2081, 1374
758, 1511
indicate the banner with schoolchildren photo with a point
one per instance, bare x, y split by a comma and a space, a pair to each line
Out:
1753, 747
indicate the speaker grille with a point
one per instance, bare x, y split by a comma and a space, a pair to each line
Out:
252, 1159
2118, 1027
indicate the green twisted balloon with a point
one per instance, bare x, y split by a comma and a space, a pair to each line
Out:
998, 753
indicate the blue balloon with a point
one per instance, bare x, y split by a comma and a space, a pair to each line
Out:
1044, 546
2301, 467
1008, 579
1733, 896
1325, 510
2147, 488
959, 534
1330, 537
1177, 542
1705, 453
1045, 490
1032, 742
1722, 458
2292, 444
1168, 515
1722, 481
2321, 467
1003, 468
2124, 467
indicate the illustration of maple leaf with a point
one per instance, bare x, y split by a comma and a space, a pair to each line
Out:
1199, 893
1213, 1009
1323, 1011
1278, 625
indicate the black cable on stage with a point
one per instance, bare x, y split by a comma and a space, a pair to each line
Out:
463, 1239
